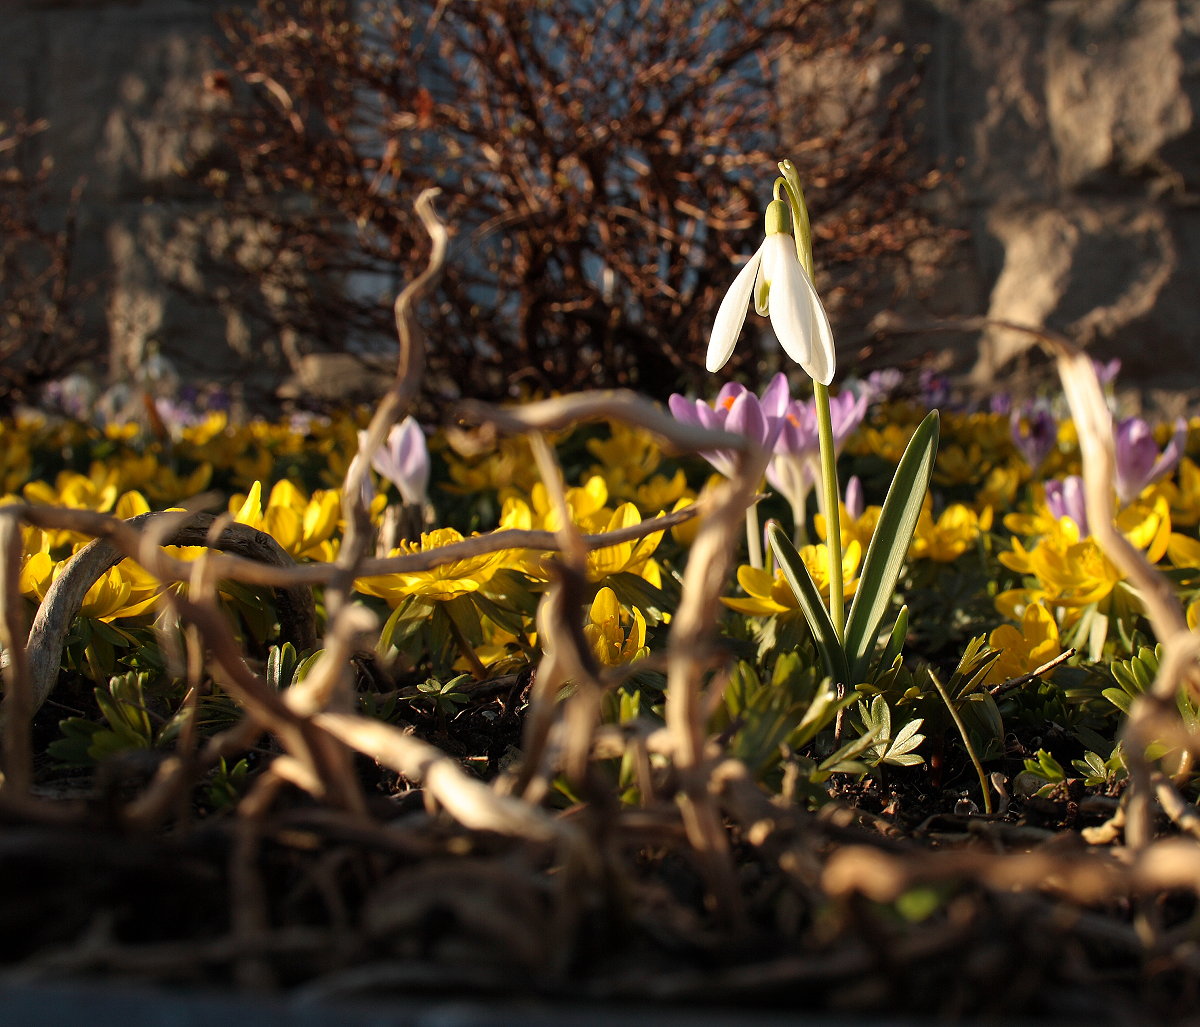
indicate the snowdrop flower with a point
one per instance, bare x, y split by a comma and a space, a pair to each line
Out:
403, 460
782, 290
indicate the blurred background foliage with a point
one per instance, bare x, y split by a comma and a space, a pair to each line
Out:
603, 165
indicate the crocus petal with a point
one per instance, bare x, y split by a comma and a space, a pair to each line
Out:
746, 418
799, 435
846, 411
776, 396
731, 315
725, 397
1170, 456
413, 460
683, 409
1065, 499
1139, 462
854, 498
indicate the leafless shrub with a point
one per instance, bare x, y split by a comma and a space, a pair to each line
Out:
40, 337
605, 164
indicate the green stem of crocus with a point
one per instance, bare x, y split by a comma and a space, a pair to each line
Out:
833, 517
754, 536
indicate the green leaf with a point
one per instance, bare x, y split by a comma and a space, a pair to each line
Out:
889, 545
843, 761
801, 583
1093, 768
1120, 699
281, 665
820, 713
405, 620
895, 644
907, 738
73, 748
1045, 766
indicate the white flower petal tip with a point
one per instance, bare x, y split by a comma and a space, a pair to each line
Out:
775, 275
731, 315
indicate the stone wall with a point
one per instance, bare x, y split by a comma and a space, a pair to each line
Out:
1069, 127
121, 85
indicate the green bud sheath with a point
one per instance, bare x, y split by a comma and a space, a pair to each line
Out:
778, 218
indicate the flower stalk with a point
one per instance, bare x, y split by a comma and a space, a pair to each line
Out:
830, 491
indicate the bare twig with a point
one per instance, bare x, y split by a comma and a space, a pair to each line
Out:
19, 697
65, 596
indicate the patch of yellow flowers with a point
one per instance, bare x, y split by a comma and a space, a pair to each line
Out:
1064, 573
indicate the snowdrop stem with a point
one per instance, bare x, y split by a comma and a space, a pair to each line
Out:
802, 227
833, 519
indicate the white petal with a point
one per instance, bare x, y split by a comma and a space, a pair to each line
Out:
824, 356
732, 315
789, 302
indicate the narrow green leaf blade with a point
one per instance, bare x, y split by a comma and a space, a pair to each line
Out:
801, 583
889, 544
895, 644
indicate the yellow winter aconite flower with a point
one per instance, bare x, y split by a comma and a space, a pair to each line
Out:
952, 534
1032, 523
586, 505
961, 465
446, 581
97, 491
510, 466
631, 557
16, 465
126, 590
768, 594
1074, 571
36, 575
662, 493
1183, 493
685, 532
617, 636
992, 433
887, 442
854, 529
1183, 551
303, 527
999, 488
1024, 649
587, 509
627, 459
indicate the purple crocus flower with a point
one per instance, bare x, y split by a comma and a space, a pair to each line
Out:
1139, 461
935, 387
1065, 499
879, 385
738, 410
855, 502
1107, 371
1034, 433
795, 467
403, 460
